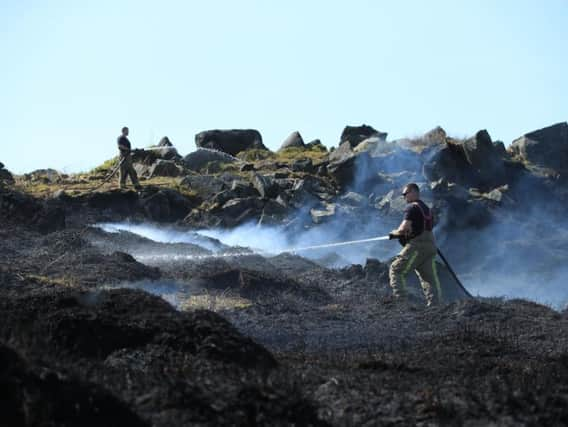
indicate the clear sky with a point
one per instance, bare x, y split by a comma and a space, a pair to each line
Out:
72, 73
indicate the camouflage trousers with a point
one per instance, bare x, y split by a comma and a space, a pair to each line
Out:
419, 255
126, 169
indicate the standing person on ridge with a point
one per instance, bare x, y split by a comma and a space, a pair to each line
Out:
126, 168
419, 251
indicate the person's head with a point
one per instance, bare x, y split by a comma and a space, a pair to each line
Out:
125, 131
411, 192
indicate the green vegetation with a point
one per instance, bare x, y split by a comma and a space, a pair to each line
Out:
316, 153
255, 155
106, 167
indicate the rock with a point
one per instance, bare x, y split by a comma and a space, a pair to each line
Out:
357, 171
198, 159
247, 167
206, 186
265, 186
322, 170
546, 147
436, 136
495, 195
342, 152
165, 142
142, 170
237, 211
293, 140
150, 155
356, 134
274, 212
165, 168
353, 199
482, 155
316, 144
320, 216
474, 162
372, 145
244, 189
443, 189
223, 197
303, 165
392, 204
230, 141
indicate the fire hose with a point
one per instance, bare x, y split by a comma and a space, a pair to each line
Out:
403, 240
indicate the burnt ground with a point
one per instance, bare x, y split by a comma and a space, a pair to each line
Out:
86, 339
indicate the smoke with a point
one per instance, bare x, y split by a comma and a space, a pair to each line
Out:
162, 234
519, 250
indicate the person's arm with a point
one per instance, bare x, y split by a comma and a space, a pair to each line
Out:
405, 228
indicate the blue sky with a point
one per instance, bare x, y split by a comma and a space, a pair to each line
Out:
74, 72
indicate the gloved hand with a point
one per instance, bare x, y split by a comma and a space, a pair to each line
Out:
402, 239
394, 235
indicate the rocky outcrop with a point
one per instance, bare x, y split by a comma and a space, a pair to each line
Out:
473, 162
294, 140
230, 141
199, 159
546, 148
356, 134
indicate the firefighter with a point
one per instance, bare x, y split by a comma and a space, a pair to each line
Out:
419, 249
126, 168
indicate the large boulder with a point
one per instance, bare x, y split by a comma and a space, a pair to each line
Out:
230, 141
547, 147
473, 162
202, 157
357, 134
293, 140
165, 168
